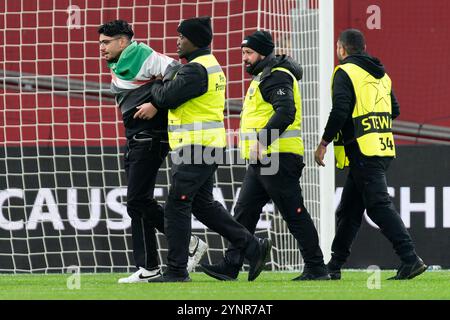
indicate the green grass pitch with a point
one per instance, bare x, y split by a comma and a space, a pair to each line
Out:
269, 286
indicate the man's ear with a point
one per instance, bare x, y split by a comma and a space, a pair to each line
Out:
123, 41
343, 51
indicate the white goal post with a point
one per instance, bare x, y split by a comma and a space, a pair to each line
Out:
62, 185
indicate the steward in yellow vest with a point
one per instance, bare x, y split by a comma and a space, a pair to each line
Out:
273, 120
364, 105
195, 99
199, 121
372, 113
271, 129
360, 123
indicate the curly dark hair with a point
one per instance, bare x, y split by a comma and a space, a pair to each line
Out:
116, 27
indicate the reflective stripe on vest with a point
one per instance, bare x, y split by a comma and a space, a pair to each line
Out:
286, 134
256, 113
197, 126
372, 114
200, 120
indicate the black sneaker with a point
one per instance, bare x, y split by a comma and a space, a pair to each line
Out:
410, 270
170, 278
221, 271
313, 273
258, 261
333, 271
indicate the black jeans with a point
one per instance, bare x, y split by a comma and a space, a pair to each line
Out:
192, 191
284, 189
143, 157
366, 189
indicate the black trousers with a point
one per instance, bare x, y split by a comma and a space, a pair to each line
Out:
191, 191
284, 189
143, 157
366, 188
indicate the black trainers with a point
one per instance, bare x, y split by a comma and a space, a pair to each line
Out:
313, 273
409, 271
333, 271
258, 261
221, 271
170, 278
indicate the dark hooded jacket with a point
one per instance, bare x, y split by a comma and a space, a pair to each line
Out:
344, 100
191, 81
277, 89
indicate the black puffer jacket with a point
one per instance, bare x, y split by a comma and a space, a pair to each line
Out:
191, 81
277, 89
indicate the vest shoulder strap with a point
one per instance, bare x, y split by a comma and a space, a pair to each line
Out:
284, 70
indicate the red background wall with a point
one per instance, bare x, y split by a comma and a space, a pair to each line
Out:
412, 42
414, 45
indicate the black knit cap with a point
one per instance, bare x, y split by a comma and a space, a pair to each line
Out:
260, 41
197, 30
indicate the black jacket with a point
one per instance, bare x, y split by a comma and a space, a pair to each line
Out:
190, 82
344, 101
277, 89
157, 125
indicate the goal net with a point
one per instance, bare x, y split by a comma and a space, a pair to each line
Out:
62, 183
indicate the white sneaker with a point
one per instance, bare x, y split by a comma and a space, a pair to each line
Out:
142, 275
197, 248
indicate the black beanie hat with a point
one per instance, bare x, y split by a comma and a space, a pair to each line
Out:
197, 30
260, 41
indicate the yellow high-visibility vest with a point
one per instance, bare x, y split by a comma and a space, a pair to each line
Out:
200, 120
372, 115
256, 113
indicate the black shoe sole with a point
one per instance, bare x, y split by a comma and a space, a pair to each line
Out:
165, 279
320, 278
262, 262
215, 275
414, 274
327, 277
419, 271
335, 276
